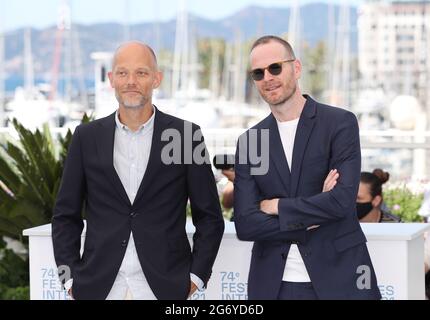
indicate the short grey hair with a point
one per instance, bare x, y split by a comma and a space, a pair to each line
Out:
272, 38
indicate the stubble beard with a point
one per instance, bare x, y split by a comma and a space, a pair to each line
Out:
290, 93
134, 105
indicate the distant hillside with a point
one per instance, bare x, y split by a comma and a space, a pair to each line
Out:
248, 23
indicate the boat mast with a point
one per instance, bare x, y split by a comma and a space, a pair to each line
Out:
28, 63
2, 69
126, 31
294, 27
180, 77
341, 74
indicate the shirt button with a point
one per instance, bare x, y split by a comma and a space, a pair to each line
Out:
133, 215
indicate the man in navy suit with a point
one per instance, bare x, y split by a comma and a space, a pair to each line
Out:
297, 200
135, 197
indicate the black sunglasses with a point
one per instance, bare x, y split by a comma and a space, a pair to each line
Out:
274, 69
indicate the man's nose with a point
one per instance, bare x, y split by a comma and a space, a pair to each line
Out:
267, 75
131, 79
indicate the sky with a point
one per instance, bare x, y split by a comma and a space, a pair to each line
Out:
15, 14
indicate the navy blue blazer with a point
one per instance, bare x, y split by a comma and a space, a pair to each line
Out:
335, 253
157, 217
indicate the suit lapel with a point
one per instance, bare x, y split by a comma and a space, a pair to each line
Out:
154, 162
105, 148
277, 153
304, 130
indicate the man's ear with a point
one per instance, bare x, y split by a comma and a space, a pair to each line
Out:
157, 79
376, 202
298, 68
110, 76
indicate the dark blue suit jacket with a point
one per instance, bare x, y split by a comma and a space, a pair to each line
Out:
327, 138
157, 216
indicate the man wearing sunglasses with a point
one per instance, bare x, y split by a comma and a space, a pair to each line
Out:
301, 214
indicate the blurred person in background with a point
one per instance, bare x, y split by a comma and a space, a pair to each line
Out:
370, 204
227, 194
371, 208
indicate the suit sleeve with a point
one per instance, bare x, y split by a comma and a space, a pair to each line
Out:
303, 212
251, 223
206, 212
67, 221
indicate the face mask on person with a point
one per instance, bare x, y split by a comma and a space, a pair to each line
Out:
363, 209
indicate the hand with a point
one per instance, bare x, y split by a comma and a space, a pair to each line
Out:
193, 289
330, 181
269, 206
70, 293
229, 174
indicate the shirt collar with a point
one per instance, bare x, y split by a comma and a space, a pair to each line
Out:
148, 125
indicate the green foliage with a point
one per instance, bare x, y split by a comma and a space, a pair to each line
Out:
30, 170
315, 73
30, 176
13, 275
18, 293
404, 203
227, 213
208, 49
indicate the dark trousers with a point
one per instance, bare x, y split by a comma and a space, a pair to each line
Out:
297, 291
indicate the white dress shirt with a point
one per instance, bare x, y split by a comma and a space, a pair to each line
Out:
295, 269
130, 159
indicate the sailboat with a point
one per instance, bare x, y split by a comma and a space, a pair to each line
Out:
36, 105
30, 104
211, 108
340, 82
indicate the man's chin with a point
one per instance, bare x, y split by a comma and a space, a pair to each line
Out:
279, 103
134, 105
275, 102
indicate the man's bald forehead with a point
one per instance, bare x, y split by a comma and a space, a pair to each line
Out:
137, 44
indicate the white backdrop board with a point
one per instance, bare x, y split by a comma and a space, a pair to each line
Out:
396, 249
